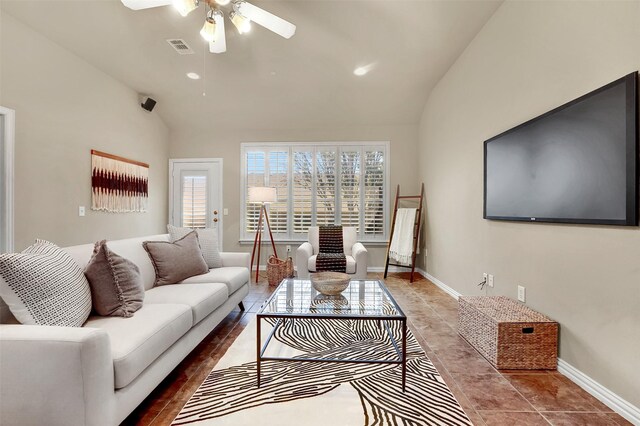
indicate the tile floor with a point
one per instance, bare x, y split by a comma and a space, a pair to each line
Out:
489, 397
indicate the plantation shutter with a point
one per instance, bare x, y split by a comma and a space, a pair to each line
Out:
318, 184
374, 194
279, 179
326, 186
194, 201
302, 190
255, 175
350, 188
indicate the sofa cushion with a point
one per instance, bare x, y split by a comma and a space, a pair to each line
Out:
351, 264
137, 341
178, 260
208, 238
233, 276
116, 284
43, 285
202, 298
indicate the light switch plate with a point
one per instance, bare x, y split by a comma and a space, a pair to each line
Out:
81, 211
225, 212
521, 293
490, 280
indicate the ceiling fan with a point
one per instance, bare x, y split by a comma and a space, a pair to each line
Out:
241, 15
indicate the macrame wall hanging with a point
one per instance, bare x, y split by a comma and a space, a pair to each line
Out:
118, 184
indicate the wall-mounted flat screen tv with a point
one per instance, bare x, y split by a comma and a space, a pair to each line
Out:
574, 164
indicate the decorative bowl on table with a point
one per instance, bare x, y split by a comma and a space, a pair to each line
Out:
330, 283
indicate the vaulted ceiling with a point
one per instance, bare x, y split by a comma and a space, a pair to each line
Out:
264, 81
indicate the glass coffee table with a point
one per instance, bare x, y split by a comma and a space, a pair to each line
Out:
366, 300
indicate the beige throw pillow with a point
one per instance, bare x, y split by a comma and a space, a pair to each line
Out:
116, 284
178, 260
43, 285
208, 238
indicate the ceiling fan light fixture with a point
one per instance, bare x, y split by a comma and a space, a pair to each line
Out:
208, 31
220, 43
242, 23
266, 19
185, 6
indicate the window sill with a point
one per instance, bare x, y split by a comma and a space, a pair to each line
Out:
280, 241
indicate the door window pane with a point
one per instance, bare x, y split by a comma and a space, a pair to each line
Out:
194, 201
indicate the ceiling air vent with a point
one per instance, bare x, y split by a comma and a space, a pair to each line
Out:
180, 46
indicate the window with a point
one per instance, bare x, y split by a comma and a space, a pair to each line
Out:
317, 184
194, 201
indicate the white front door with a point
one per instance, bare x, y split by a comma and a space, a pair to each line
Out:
195, 193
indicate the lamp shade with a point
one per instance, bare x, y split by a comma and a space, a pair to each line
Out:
262, 194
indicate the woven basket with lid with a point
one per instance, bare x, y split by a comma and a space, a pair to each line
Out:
507, 333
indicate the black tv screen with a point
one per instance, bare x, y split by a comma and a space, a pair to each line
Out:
574, 164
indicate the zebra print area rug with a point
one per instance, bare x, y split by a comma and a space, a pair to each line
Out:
316, 393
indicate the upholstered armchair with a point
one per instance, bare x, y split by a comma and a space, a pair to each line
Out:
355, 252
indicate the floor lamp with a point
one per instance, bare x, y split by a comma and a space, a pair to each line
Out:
262, 195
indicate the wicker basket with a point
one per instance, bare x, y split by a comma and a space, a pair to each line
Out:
278, 269
507, 333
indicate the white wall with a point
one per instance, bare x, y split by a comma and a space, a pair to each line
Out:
64, 108
225, 143
533, 56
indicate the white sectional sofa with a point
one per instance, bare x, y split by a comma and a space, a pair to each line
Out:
99, 373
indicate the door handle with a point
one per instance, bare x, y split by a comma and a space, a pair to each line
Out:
215, 219
215, 212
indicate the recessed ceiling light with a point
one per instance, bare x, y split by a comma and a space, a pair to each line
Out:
193, 76
360, 71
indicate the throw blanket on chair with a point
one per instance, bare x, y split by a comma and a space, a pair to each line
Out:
331, 252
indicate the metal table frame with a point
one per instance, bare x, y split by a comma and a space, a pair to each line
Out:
381, 319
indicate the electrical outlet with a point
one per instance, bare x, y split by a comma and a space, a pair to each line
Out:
288, 248
485, 277
521, 293
490, 280
81, 211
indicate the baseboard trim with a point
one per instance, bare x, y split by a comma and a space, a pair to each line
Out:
606, 396
422, 272
440, 284
603, 394
391, 269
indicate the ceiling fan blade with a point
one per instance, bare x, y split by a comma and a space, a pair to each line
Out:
145, 4
220, 43
268, 20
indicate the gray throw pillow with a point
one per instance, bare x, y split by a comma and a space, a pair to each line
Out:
43, 285
116, 284
208, 238
178, 260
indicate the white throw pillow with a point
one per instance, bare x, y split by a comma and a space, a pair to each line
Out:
208, 238
43, 285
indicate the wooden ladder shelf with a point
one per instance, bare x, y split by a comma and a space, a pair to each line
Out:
416, 229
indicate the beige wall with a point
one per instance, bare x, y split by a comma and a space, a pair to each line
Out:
64, 108
529, 58
226, 144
